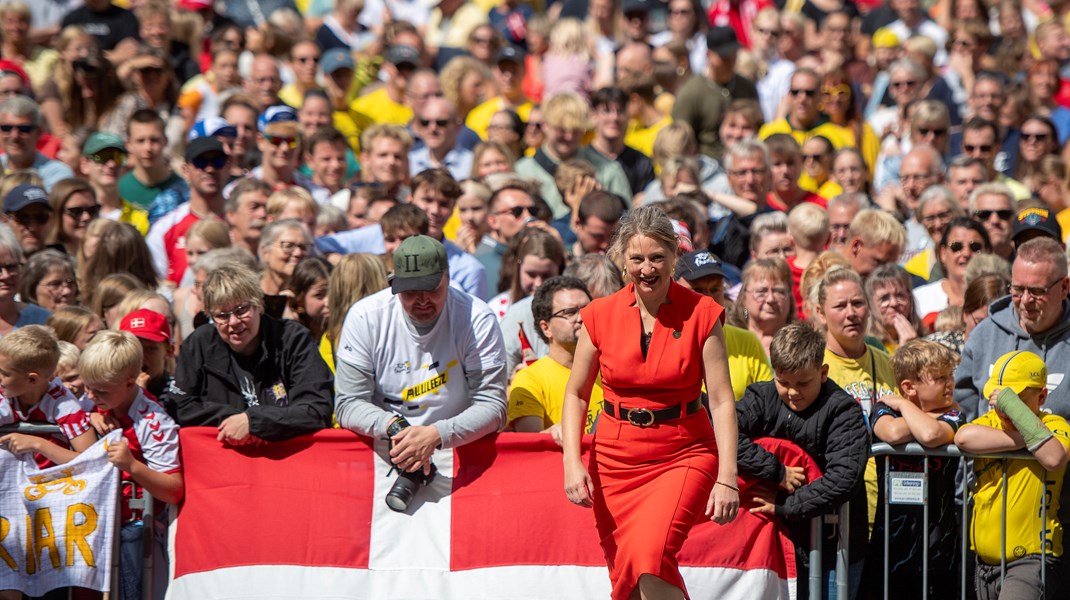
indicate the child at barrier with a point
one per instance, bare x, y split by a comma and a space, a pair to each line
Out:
1016, 390
154, 334
148, 453
31, 393
927, 414
804, 406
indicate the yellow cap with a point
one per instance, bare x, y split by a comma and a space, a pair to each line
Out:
885, 38
1019, 371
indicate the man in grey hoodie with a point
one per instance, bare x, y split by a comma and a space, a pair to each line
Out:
1035, 317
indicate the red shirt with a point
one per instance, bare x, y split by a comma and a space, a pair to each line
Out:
810, 197
737, 14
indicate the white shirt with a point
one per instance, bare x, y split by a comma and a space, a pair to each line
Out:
930, 298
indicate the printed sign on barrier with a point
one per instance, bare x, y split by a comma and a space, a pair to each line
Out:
906, 488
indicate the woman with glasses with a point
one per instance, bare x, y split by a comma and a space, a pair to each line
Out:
249, 375
14, 314
1037, 138
74, 205
765, 303
48, 280
936, 208
282, 245
963, 239
894, 321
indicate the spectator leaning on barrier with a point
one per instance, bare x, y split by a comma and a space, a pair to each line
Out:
251, 376
425, 351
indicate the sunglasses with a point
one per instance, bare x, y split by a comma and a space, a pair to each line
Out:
984, 215
517, 211
802, 92
151, 71
307, 59
26, 129
957, 247
105, 156
217, 161
910, 83
26, 219
442, 123
1038, 137
807, 157
290, 142
978, 148
76, 212
935, 132
535, 126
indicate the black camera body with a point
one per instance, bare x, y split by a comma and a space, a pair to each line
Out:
401, 493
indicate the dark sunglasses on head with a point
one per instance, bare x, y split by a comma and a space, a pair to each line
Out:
957, 247
217, 161
105, 156
26, 220
8, 128
984, 215
76, 212
443, 123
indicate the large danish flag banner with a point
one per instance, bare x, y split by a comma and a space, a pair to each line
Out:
307, 519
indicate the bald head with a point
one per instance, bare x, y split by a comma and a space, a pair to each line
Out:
634, 58
264, 80
922, 167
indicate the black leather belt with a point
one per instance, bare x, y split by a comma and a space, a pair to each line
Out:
644, 417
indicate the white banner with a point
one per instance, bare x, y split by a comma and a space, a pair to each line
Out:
57, 525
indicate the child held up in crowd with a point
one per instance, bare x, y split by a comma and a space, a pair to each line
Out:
802, 405
1016, 390
30, 392
926, 414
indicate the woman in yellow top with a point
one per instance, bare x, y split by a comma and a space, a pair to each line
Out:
837, 101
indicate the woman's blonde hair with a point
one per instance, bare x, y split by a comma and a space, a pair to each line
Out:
812, 274
354, 277
14, 179
68, 356
69, 321
834, 276
675, 140
453, 75
214, 233
568, 38
277, 202
649, 221
112, 356
778, 269
231, 283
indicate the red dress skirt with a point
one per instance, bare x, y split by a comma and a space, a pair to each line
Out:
651, 485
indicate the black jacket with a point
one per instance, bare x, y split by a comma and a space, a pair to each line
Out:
294, 385
833, 432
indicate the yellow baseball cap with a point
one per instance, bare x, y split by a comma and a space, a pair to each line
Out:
1019, 371
885, 38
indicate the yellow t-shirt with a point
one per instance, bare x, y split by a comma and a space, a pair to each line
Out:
747, 362
1025, 493
538, 390
478, 119
1063, 218
137, 217
642, 138
839, 136
351, 123
381, 109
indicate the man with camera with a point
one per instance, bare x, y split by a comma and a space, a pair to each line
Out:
422, 353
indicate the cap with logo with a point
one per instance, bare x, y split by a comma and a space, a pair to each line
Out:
1040, 220
201, 146
102, 141
722, 41
335, 59
212, 127
23, 196
419, 264
1019, 370
275, 114
509, 54
401, 54
698, 264
147, 324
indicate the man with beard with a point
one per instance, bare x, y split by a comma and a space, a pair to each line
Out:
435, 192
537, 390
103, 156
246, 213
204, 170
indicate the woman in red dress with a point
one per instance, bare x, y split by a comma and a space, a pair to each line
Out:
656, 467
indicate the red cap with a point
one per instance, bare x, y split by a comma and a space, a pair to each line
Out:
194, 5
147, 324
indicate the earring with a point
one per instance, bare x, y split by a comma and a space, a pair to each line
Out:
746, 313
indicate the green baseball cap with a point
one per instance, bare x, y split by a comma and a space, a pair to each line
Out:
102, 141
419, 263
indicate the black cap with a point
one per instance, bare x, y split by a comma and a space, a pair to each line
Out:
722, 41
1040, 220
698, 264
509, 54
634, 6
202, 146
400, 54
24, 195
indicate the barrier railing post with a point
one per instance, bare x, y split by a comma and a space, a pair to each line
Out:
964, 537
817, 584
887, 521
925, 531
148, 538
843, 553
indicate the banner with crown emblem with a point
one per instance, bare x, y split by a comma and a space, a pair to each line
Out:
57, 525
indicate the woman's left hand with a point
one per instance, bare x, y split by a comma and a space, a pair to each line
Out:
234, 429
723, 504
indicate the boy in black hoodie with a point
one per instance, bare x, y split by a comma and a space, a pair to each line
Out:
803, 406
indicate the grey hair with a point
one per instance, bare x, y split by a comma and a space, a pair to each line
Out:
274, 231
965, 161
598, 272
21, 106
650, 221
744, 149
856, 199
763, 225
909, 65
213, 259
10, 242
994, 189
231, 283
938, 192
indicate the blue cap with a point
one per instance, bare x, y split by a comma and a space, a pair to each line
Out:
335, 59
23, 196
275, 114
211, 127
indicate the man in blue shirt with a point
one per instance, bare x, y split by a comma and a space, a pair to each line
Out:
20, 127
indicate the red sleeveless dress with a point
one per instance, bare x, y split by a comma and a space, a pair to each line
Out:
651, 484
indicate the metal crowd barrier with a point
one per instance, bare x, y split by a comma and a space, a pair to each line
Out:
144, 504
881, 449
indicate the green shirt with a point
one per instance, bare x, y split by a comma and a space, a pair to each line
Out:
141, 195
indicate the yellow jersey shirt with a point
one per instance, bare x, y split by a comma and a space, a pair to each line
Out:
1028, 484
478, 119
381, 109
642, 138
747, 362
538, 390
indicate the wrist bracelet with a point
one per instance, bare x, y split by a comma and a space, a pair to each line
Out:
733, 488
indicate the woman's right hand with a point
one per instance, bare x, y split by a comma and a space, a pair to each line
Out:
578, 484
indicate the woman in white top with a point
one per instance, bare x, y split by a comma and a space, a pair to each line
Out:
963, 239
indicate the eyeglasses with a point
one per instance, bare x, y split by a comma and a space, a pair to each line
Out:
1034, 137
807, 157
774, 33
442, 123
217, 161
109, 155
306, 59
760, 293
567, 313
57, 285
757, 172
938, 217
10, 268
804, 92
223, 317
986, 148
274, 140
26, 220
957, 247
534, 125
517, 211
984, 215
837, 90
23, 129
1018, 291
77, 212
289, 247
933, 131
904, 84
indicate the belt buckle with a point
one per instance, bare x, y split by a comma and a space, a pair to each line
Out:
646, 420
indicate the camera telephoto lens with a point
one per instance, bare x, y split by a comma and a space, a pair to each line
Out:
402, 491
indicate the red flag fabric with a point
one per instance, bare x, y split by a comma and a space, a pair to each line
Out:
307, 518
